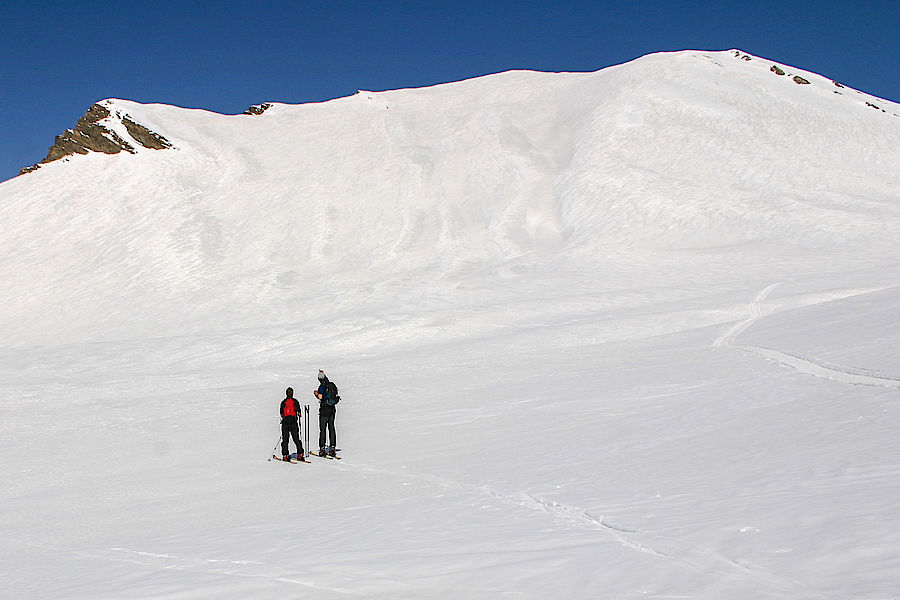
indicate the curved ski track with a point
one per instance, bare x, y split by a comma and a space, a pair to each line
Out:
816, 368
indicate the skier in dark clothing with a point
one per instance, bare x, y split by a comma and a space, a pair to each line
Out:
290, 424
328, 399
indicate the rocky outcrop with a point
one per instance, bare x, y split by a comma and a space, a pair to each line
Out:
91, 134
258, 109
88, 136
144, 136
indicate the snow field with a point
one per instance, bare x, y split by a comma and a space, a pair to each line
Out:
626, 334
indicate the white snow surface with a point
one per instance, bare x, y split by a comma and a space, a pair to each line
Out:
624, 334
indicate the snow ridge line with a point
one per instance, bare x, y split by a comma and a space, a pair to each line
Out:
816, 368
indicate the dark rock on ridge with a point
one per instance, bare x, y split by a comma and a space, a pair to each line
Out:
89, 135
258, 109
144, 136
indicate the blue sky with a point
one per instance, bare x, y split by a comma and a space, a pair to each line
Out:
58, 58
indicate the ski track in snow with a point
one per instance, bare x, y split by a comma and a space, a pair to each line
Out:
698, 559
816, 368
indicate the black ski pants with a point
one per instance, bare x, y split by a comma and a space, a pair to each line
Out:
326, 422
290, 427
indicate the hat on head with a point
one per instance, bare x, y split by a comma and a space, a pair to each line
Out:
289, 392
321, 375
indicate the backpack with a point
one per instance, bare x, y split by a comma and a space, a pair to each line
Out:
290, 407
331, 394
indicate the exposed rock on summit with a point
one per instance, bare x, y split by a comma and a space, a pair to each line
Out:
258, 109
144, 136
88, 136
92, 134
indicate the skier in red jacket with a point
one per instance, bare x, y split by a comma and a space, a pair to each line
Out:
290, 424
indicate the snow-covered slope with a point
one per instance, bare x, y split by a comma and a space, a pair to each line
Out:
253, 217
618, 334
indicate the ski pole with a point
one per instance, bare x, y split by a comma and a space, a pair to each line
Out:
275, 447
277, 440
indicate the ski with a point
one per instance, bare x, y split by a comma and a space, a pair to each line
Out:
329, 457
278, 458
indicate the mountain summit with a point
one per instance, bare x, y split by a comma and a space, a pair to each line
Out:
102, 130
506, 173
